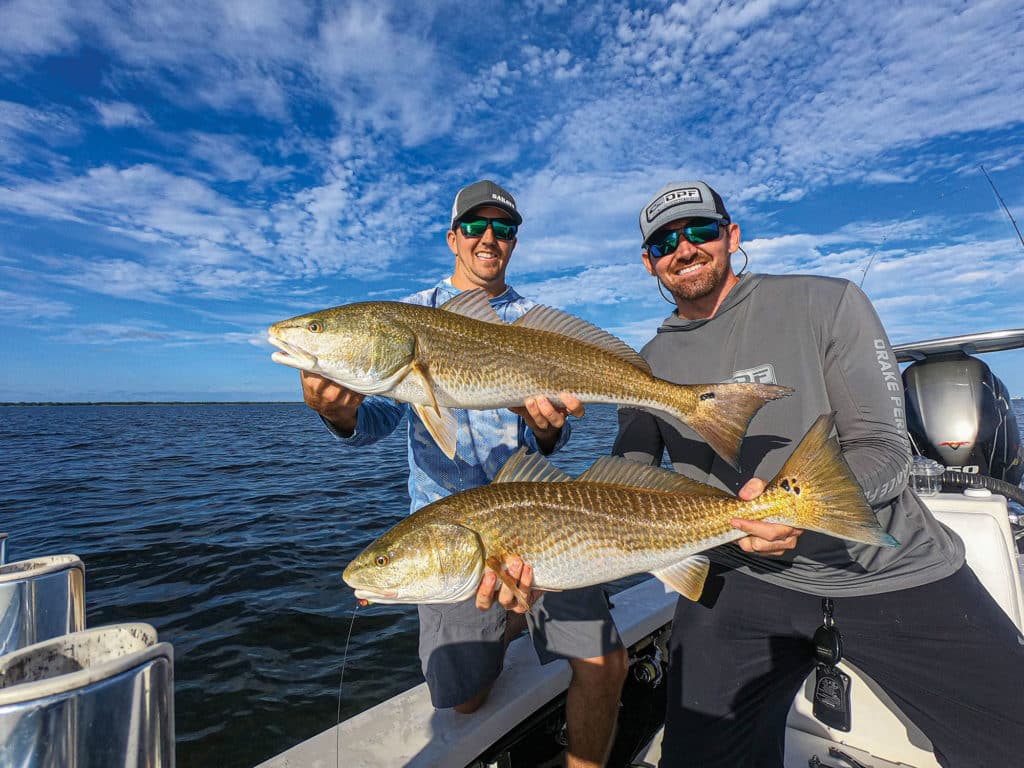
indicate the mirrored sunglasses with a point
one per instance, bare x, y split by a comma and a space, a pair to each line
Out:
697, 234
503, 229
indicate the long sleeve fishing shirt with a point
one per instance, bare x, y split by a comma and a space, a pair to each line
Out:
486, 439
821, 337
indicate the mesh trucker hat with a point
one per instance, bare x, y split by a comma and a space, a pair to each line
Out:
681, 200
482, 193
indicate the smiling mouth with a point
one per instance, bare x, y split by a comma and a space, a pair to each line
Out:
689, 269
291, 355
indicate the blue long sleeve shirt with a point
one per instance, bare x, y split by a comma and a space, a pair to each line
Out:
485, 439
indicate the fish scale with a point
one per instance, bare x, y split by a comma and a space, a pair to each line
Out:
617, 519
455, 357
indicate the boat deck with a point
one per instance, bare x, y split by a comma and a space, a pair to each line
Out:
407, 730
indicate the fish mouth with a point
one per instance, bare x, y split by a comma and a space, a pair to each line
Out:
291, 355
376, 597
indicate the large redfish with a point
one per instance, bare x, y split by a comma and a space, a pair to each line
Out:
461, 355
616, 519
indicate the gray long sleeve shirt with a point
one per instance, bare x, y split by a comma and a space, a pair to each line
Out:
821, 337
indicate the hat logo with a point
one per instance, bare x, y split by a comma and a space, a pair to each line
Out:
673, 197
500, 199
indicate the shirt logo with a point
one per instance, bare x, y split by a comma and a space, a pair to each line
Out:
761, 374
673, 197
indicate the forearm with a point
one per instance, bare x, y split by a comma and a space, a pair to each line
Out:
638, 438
866, 392
547, 441
376, 418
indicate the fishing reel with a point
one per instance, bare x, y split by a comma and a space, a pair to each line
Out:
647, 662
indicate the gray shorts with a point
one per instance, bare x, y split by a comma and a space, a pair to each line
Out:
462, 647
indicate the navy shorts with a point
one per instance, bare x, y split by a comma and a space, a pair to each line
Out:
462, 647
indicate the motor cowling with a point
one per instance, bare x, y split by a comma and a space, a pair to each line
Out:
959, 413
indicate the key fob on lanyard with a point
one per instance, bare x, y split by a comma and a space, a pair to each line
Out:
831, 703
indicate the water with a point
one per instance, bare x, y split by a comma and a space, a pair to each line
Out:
227, 527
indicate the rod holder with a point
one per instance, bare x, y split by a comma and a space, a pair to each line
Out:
40, 599
98, 698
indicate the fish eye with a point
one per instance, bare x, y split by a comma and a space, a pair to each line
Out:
382, 560
314, 326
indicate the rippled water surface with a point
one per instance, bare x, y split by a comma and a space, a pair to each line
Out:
226, 527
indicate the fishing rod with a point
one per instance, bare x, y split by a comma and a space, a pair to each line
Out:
1002, 203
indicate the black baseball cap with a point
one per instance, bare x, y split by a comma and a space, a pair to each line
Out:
484, 193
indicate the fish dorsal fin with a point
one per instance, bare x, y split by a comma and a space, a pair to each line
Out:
472, 304
614, 469
541, 318
523, 467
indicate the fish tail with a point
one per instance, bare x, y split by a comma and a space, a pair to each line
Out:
721, 413
825, 495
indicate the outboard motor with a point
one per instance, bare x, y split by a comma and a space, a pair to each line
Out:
959, 413
99, 698
40, 599
3, 548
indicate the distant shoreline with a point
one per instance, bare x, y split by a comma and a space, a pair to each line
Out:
156, 402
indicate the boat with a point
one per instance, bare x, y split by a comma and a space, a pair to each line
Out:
59, 680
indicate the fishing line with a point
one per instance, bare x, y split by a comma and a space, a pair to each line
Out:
341, 682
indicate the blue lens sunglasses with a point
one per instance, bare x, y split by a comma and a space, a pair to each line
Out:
697, 234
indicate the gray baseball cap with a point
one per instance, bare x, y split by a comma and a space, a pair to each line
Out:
681, 200
481, 193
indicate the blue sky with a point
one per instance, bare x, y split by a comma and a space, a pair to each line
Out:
174, 177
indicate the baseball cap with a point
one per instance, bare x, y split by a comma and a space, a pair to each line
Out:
681, 200
481, 193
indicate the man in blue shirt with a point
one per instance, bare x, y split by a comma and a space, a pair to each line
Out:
462, 645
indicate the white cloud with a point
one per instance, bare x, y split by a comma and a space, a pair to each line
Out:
18, 308
35, 27
120, 114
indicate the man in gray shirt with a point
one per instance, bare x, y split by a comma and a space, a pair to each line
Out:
913, 617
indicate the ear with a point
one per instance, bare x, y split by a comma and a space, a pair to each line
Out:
451, 242
734, 237
647, 262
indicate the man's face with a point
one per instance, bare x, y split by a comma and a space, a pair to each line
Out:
480, 262
694, 271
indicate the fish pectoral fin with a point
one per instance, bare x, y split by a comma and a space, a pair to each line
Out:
442, 425
498, 567
428, 384
686, 577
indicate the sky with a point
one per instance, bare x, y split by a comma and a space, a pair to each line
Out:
175, 177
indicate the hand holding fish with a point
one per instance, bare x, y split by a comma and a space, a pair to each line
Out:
546, 420
764, 538
520, 575
331, 400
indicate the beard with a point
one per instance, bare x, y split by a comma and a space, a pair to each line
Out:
704, 284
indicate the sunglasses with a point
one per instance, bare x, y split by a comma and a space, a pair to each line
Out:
503, 229
697, 234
